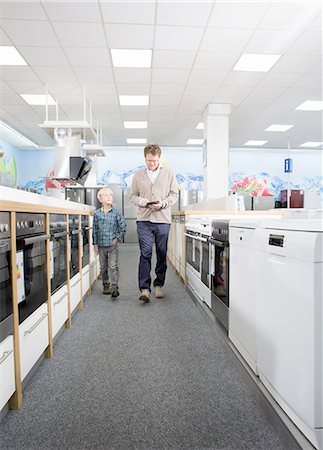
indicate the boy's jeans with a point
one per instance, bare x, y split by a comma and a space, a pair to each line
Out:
108, 257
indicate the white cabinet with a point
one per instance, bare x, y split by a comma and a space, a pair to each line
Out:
92, 272
33, 338
59, 309
7, 371
85, 279
75, 291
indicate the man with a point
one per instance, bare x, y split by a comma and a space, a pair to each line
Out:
154, 191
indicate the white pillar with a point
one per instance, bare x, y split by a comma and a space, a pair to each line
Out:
216, 151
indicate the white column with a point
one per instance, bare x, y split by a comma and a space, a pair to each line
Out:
216, 151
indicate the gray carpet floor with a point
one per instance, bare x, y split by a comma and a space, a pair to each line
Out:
133, 376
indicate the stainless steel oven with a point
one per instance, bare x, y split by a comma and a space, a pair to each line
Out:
73, 220
31, 262
6, 309
58, 251
193, 250
85, 240
219, 271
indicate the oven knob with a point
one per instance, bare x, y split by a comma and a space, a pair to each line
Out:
2, 227
22, 225
26, 224
6, 227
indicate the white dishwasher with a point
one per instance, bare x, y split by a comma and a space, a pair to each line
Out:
288, 276
243, 300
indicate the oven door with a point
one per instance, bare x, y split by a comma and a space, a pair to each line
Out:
31, 274
74, 247
219, 268
193, 251
6, 308
58, 271
86, 246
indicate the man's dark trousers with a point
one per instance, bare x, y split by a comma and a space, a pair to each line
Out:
148, 234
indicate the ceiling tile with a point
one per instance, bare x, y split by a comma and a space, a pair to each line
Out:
129, 12
208, 76
200, 88
72, 34
24, 32
183, 13
237, 14
167, 88
172, 100
130, 36
273, 42
123, 75
92, 75
283, 79
100, 88
243, 78
170, 75
173, 59
47, 74
291, 63
88, 57
40, 56
18, 73
22, 10
309, 80
289, 15
224, 40
215, 60
73, 11
133, 88
178, 38
309, 43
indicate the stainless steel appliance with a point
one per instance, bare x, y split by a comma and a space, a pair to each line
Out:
219, 260
73, 221
31, 262
6, 309
58, 250
85, 240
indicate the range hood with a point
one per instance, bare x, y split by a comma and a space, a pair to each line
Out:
69, 164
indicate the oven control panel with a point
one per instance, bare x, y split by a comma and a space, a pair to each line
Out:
4, 225
30, 223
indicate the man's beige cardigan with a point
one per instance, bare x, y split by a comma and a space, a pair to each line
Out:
163, 189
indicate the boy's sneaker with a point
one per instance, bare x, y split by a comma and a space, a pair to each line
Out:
114, 291
144, 296
106, 289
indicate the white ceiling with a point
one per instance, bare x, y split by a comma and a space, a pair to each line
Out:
195, 46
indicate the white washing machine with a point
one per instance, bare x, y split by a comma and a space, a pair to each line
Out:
288, 275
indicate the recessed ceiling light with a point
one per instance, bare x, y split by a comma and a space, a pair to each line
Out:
311, 144
252, 62
130, 58
9, 56
38, 99
134, 100
136, 140
195, 141
200, 126
135, 124
253, 142
310, 105
275, 127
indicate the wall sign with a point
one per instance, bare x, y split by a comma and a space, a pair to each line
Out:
288, 165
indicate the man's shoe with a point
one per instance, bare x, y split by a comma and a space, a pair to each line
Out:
114, 291
159, 293
106, 289
144, 296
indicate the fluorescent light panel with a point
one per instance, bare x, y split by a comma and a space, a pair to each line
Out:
254, 142
134, 100
9, 56
251, 62
135, 124
136, 140
38, 99
131, 58
16, 134
195, 141
276, 127
200, 126
311, 144
310, 105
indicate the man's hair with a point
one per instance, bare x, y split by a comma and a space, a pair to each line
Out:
154, 149
103, 191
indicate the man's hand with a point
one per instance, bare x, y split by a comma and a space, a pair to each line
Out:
155, 206
143, 202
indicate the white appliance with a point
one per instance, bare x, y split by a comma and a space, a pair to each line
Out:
243, 300
288, 272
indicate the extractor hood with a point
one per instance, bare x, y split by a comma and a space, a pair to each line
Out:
79, 168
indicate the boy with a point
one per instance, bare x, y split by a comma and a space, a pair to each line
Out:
109, 228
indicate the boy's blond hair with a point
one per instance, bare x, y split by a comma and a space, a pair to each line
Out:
102, 192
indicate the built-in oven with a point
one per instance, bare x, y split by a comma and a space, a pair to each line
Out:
58, 251
219, 271
193, 250
73, 221
6, 308
85, 240
31, 262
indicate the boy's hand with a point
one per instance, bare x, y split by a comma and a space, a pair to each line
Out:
115, 241
96, 249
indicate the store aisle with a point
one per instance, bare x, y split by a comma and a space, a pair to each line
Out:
136, 376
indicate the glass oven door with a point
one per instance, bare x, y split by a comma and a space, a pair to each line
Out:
58, 260
220, 270
31, 274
